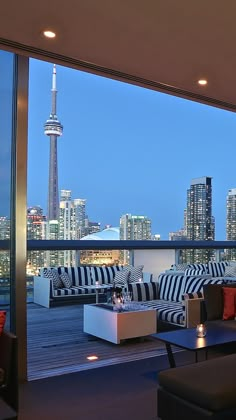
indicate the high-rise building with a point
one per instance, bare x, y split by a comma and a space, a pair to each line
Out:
231, 222
36, 222
200, 223
4, 255
72, 218
133, 228
53, 129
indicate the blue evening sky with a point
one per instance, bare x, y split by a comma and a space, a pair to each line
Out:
126, 149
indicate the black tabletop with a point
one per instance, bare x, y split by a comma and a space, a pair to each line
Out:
187, 339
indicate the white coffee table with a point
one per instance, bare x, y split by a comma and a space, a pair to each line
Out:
97, 288
115, 326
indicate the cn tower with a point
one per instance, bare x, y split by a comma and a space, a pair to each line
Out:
53, 129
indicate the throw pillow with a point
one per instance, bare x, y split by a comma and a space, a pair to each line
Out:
135, 273
217, 269
66, 280
230, 271
121, 279
3, 315
229, 296
194, 272
180, 267
54, 275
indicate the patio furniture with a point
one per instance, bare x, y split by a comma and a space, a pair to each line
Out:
187, 339
102, 321
176, 298
81, 287
8, 376
198, 391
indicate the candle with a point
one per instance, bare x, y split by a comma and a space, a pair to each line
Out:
97, 283
140, 280
201, 330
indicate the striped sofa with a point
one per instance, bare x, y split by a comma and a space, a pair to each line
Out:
175, 297
83, 278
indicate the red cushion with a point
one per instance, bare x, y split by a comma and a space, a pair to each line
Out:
2, 320
229, 295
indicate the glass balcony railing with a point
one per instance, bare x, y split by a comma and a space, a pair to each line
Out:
155, 256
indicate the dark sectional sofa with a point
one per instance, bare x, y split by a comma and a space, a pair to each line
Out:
204, 390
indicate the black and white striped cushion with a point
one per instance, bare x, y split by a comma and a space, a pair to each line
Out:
171, 286
217, 269
194, 272
104, 275
199, 266
144, 291
195, 284
171, 312
80, 276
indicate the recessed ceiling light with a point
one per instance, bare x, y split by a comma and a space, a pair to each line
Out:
49, 34
202, 82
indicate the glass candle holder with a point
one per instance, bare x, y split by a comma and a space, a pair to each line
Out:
201, 330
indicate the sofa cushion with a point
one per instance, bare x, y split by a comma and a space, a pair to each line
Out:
230, 271
80, 276
66, 280
180, 267
229, 300
213, 297
209, 384
72, 291
194, 272
199, 266
195, 284
121, 279
144, 291
217, 269
171, 287
135, 273
3, 315
104, 275
52, 273
168, 311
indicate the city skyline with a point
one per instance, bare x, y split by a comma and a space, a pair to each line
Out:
123, 179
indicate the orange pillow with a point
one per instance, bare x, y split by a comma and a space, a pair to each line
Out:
229, 295
2, 320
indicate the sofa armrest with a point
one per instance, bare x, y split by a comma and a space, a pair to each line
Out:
192, 308
42, 287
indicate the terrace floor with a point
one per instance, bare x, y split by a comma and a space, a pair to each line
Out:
57, 344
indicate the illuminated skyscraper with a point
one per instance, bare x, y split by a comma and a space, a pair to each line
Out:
133, 228
200, 222
36, 229
53, 129
231, 222
71, 224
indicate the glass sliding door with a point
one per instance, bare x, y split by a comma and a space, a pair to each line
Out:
6, 114
13, 165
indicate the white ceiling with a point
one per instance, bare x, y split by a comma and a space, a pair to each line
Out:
165, 44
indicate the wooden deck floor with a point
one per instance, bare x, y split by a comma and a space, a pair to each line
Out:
58, 345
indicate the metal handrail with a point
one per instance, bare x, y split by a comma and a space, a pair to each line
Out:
60, 245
